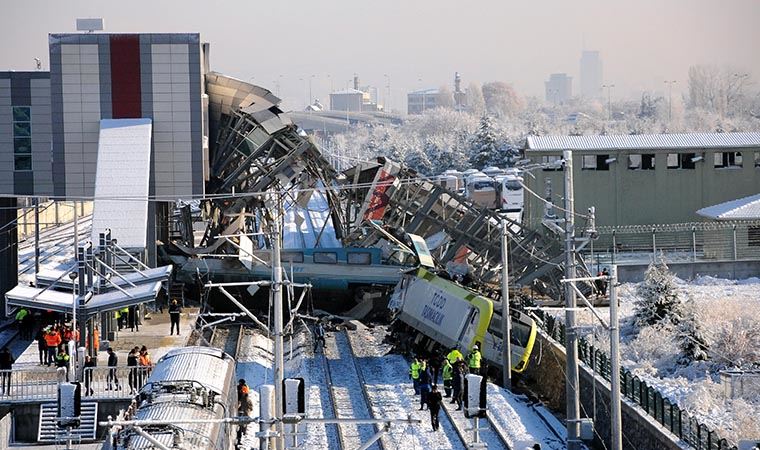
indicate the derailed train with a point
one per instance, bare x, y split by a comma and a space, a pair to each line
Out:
444, 313
195, 383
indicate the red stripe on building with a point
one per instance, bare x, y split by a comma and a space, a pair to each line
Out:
125, 76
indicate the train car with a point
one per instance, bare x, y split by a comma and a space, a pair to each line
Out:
340, 268
186, 383
451, 316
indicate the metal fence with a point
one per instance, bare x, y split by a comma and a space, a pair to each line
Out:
679, 242
667, 414
99, 382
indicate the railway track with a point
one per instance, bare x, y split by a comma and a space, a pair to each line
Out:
333, 410
344, 381
389, 389
490, 434
227, 339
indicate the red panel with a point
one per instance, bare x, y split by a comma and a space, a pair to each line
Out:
125, 76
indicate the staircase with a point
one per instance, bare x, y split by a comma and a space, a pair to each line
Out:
177, 292
48, 427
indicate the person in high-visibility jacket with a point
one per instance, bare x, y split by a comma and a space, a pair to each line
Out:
119, 319
454, 355
414, 374
474, 360
52, 340
448, 373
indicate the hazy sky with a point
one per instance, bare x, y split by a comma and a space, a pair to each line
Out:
642, 42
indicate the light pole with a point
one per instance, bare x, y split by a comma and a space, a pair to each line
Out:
609, 100
388, 87
311, 98
422, 91
670, 98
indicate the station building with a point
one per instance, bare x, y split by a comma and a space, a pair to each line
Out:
51, 124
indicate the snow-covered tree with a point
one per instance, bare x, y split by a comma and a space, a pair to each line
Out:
484, 144
691, 336
658, 301
419, 161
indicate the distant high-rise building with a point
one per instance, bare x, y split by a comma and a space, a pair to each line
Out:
591, 74
559, 88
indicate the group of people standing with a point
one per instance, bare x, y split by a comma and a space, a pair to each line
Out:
128, 317
424, 373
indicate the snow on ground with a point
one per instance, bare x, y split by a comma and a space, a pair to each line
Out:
728, 309
521, 421
389, 389
392, 395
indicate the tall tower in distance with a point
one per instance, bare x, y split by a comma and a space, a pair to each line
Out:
591, 74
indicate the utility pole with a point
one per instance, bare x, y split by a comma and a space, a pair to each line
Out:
571, 344
36, 237
76, 229
506, 326
616, 427
609, 100
278, 349
670, 98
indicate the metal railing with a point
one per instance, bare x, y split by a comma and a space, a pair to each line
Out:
678, 242
41, 384
666, 413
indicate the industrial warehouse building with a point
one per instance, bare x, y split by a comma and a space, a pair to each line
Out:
644, 179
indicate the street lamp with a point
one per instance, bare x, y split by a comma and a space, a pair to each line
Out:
670, 98
388, 97
422, 91
311, 98
609, 101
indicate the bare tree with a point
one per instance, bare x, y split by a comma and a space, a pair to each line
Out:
445, 97
501, 99
474, 99
717, 89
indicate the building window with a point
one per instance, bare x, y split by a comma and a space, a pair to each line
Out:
757, 159
643, 161
552, 162
728, 159
22, 114
22, 162
596, 162
753, 236
681, 161
22, 137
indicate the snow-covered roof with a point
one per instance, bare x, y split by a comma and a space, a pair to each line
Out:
747, 208
645, 141
347, 91
428, 91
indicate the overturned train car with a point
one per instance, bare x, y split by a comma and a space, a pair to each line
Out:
444, 314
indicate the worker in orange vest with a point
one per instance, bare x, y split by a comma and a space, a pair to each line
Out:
52, 340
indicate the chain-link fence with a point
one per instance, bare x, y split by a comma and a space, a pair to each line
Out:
680, 242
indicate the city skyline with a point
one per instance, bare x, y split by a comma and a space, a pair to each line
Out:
390, 45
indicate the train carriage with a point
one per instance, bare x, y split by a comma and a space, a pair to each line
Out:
455, 317
196, 383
